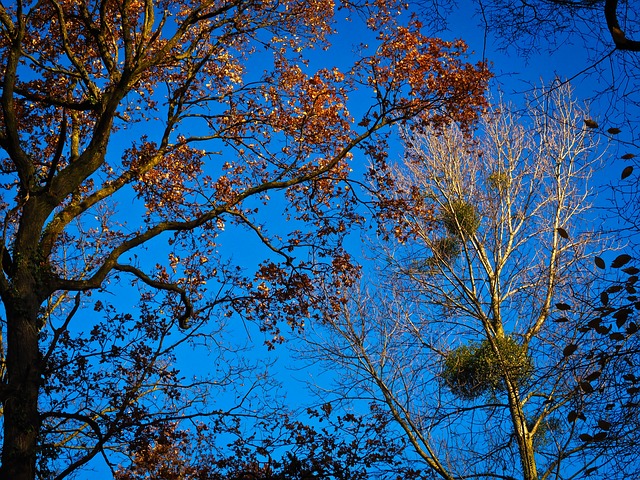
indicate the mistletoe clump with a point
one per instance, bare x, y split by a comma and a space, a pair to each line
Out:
444, 251
470, 371
544, 432
460, 218
499, 181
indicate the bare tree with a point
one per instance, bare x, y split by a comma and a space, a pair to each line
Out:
473, 338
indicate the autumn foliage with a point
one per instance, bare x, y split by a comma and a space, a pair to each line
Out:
138, 139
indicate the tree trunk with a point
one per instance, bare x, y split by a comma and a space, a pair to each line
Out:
523, 435
24, 370
528, 461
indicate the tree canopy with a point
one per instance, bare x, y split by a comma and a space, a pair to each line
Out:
183, 180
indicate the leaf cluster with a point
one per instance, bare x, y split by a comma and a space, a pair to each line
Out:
325, 445
610, 381
460, 218
444, 249
619, 302
498, 181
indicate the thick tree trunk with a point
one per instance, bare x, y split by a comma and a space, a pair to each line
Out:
24, 370
24, 290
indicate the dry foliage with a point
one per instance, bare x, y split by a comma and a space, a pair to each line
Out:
140, 137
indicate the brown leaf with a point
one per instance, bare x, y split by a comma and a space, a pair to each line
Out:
599, 263
585, 437
594, 323
627, 156
586, 387
613, 130
590, 123
562, 232
626, 172
621, 316
600, 436
570, 350
593, 376
620, 260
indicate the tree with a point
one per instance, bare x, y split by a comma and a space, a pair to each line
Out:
626, 197
481, 339
134, 134
542, 26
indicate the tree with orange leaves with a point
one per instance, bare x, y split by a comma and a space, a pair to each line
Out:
130, 126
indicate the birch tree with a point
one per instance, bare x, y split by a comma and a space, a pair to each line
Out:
476, 334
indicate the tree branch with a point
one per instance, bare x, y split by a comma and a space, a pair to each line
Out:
97, 448
619, 38
171, 287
